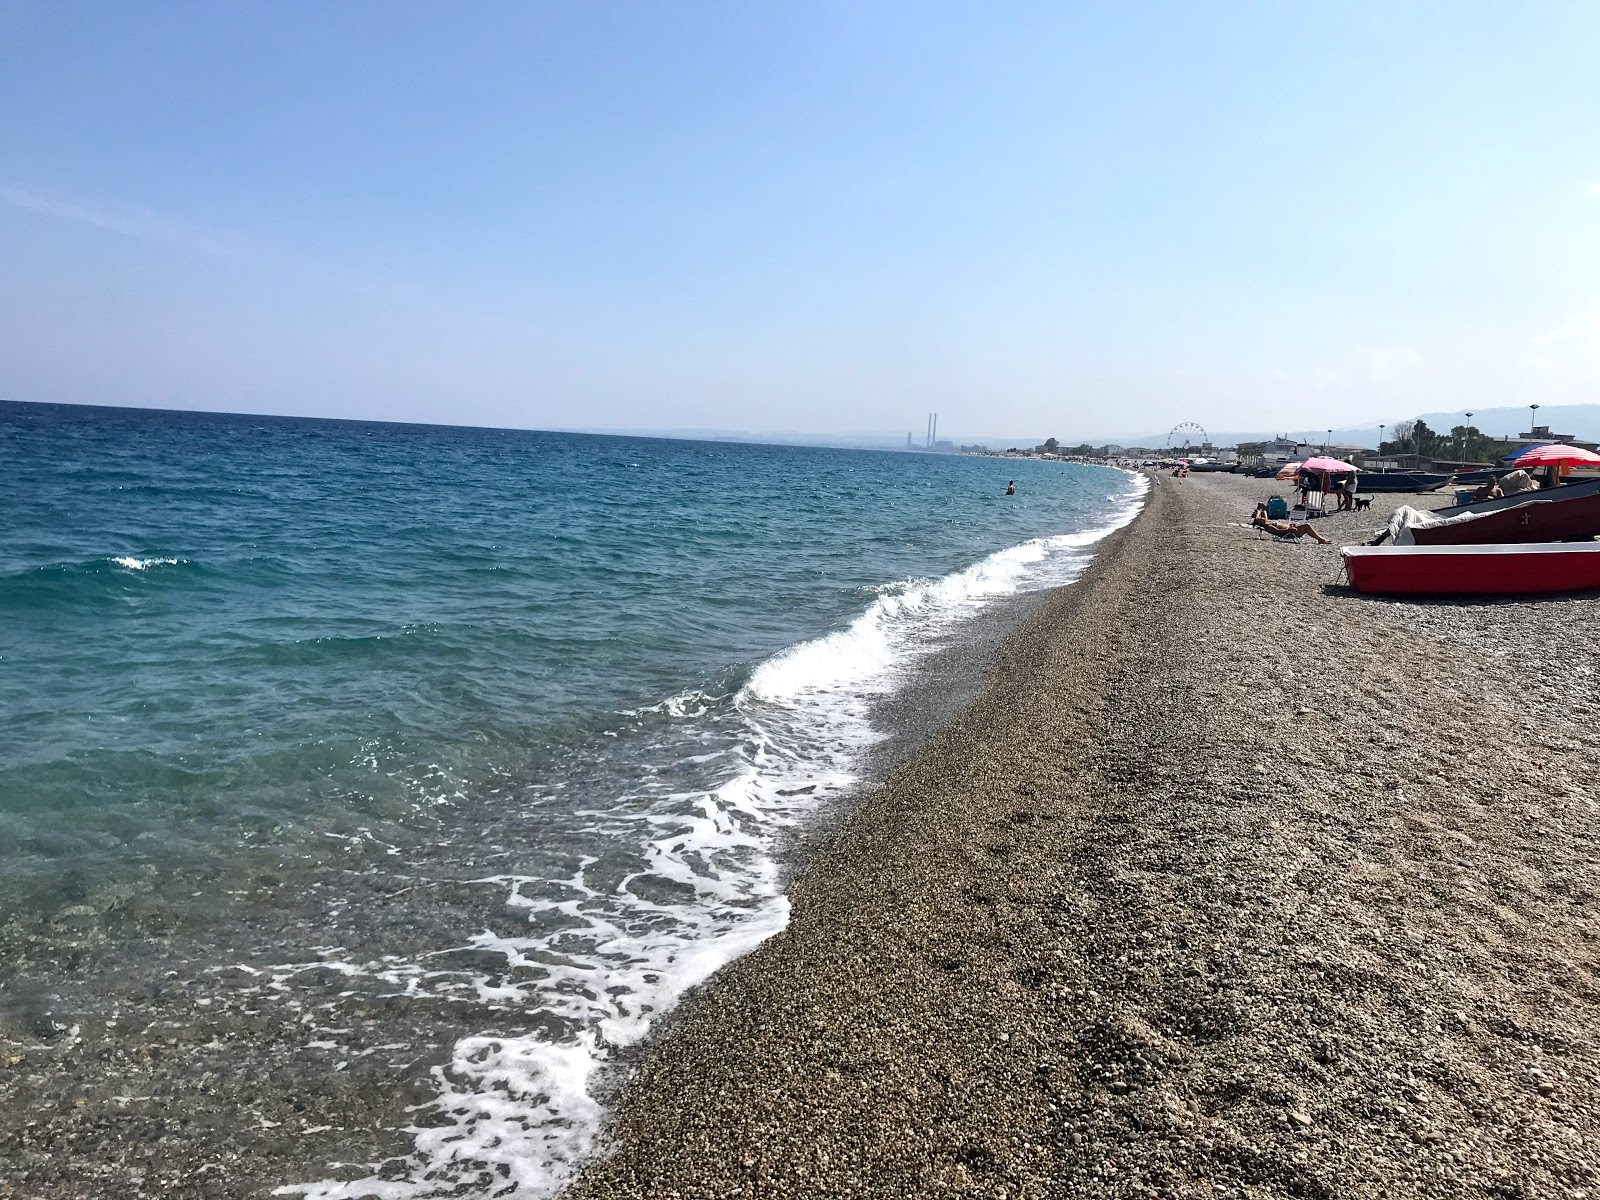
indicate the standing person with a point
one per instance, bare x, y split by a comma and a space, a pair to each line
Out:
1011, 488
1347, 493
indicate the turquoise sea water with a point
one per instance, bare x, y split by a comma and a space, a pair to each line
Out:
618, 668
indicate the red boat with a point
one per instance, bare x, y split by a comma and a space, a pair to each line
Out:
1506, 569
1564, 514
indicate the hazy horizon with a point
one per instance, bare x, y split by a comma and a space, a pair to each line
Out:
609, 217
1581, 421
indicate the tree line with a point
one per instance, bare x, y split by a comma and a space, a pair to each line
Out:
1464, 443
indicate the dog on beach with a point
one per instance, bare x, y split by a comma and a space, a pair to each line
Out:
1363, 502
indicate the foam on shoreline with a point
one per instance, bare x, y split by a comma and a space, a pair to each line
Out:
606, 957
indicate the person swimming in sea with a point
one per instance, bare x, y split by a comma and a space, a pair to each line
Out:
1011, 488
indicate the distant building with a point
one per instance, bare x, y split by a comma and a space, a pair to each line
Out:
1540, 435
1273, 451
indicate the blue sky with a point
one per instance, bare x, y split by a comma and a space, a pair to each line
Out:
1080, 220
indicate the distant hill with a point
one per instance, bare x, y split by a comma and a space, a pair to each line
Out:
1580, 420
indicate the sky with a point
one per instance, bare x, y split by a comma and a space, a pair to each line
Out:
1049, 219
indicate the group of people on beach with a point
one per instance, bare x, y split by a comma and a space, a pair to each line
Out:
1343, 489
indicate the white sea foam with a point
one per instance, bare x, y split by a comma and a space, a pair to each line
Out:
602, 960
128, 562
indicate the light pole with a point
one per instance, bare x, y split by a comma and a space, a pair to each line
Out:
1463, 433
1534, 409
1328, 437
1381, 428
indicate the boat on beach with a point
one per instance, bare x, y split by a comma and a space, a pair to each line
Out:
1482, 475
1402, 481
1477, 570
1564, 514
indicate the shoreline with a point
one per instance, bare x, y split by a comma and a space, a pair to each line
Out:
911, 757
1153, 914
160, 1074
936, 687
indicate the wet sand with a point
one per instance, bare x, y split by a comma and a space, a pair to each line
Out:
1228, 882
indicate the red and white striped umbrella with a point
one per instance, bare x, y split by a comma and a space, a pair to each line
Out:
1556, 455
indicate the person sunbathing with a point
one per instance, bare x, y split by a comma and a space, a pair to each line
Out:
1489, 491
1285, 529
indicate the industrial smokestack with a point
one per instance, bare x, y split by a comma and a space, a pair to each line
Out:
934, 440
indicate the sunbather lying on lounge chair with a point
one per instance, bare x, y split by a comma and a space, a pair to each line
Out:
1285, 529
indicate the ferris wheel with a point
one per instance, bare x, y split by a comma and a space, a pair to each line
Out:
1186, 435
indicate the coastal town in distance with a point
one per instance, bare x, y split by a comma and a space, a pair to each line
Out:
1411, 446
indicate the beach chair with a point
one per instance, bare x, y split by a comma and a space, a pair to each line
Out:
1263, 534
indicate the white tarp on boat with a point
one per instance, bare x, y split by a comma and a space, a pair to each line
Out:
1406, 519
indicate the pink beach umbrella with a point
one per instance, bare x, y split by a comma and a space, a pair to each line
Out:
1557, 455
1323, 465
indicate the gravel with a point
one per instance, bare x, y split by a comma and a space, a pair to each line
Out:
1225, 882
1228, 883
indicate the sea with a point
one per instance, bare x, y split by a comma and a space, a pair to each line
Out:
409, 720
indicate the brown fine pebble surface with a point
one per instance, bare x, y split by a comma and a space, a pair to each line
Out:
1229, 883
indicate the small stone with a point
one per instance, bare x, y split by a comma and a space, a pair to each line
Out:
1301, 1119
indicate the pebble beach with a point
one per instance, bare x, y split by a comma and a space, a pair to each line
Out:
1201, 876
1227, 882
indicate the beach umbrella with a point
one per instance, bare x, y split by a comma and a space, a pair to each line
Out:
1515, 454
1556, 455
1324, 465
1288, 471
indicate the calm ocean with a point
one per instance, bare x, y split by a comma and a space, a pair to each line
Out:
508, 723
